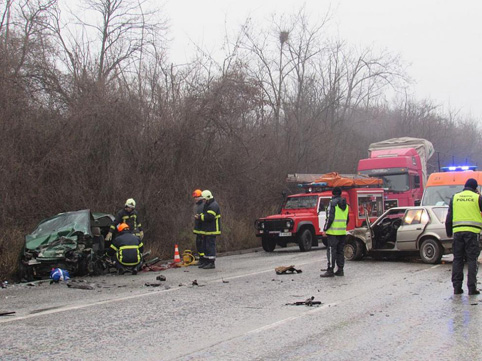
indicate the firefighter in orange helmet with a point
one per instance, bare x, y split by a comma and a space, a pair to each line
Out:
198, 209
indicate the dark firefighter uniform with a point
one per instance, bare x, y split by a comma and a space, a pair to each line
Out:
210, 227
132, 220
464, 221
335, 229
197, 230
128, 250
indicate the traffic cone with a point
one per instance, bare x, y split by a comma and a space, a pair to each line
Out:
177, 258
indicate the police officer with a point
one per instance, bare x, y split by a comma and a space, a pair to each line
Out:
335, 229
464, 221
198, 209
210, 227
127, 249
130, 216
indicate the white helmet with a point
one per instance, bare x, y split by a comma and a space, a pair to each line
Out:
131, 203
207, 195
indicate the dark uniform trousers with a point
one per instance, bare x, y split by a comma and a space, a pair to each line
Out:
465, 247
334, 251
210, 247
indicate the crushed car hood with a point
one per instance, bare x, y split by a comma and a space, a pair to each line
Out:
61, 232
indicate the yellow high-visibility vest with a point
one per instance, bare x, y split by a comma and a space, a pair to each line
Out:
466, 212
338, 227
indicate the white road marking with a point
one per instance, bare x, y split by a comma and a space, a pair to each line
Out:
97, 303
286, 320
259, 330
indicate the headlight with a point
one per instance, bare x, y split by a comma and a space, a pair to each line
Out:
289, 223
261, 225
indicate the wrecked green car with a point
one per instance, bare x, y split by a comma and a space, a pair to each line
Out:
69, 241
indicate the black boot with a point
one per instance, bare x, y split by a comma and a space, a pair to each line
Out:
209, 265
339, 272
329, 273
473, 291
458, 291
202, 262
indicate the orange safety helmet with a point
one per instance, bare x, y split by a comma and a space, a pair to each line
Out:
197, 193
122, 227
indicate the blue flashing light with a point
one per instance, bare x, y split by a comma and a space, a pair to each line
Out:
319, 184
310, 185
459, 168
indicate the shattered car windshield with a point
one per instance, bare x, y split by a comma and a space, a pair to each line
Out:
56, 223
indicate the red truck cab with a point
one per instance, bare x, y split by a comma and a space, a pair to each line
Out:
401, 172
401, 163
303, 216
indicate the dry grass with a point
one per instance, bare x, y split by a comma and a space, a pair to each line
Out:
11, 245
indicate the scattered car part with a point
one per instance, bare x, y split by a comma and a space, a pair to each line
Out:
287, 269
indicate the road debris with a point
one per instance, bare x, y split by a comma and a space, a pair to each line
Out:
153, 284
8, 313
196, 284
161, 278
308, 302
225, 281
162, 267
78, 285
287, 270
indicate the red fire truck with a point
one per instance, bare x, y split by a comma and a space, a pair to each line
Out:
303, 215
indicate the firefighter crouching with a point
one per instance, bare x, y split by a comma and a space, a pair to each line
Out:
127, 249
130, 216
210, 227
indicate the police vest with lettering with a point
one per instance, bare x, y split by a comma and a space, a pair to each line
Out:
338, 227
466, 212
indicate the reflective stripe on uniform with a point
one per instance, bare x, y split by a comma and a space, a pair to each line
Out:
120, 254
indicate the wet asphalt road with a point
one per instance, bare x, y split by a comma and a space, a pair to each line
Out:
380, 310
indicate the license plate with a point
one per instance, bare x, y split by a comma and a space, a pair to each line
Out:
285, 234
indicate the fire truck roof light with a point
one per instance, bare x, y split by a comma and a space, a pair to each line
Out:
459, 168
319, 184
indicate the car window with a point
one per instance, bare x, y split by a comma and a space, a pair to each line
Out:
415, 216
323, 204
301, 202
441, 213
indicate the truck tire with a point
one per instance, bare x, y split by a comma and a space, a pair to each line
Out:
431, 251
353, 250
269, 244
305, 240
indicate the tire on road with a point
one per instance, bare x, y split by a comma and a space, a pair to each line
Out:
305, 239
353, 250
269, 244
431, 251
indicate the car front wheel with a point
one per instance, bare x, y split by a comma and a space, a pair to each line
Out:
431, 251
269, 244
305, 240
352, 250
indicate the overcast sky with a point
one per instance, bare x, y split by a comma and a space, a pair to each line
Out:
440, 41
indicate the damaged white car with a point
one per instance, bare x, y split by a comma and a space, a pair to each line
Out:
402, 230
